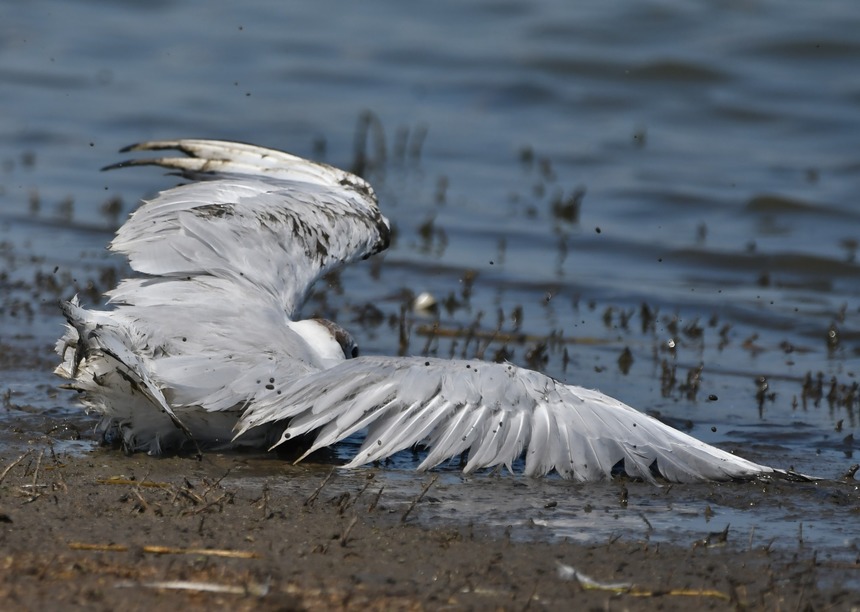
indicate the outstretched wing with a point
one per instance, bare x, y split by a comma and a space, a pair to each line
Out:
270, 222
496, 412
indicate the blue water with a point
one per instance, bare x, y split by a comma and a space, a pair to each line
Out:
716, 145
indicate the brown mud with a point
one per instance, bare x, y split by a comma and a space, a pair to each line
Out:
103, 531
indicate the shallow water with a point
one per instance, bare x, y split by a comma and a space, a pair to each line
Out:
715, 145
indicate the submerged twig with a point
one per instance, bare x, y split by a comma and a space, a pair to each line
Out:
498, 336
712, 540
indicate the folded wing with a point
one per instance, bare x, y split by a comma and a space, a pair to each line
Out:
105, 362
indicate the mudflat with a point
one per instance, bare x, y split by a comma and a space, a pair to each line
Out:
102, 530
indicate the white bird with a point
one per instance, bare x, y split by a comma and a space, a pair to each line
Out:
208, 347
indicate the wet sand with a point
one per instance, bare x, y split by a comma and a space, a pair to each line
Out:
100, 530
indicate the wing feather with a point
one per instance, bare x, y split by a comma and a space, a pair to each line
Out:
269, 228
105, 353
210, 337
218, 157
495, 412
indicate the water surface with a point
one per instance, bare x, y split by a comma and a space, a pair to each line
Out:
670, 180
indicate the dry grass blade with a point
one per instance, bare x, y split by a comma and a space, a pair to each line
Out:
258, 590
98, 547
167, 550
121, 480
208, 552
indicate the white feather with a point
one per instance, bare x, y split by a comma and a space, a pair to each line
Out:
583, 434
209, 346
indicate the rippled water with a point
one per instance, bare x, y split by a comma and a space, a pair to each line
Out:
549, 168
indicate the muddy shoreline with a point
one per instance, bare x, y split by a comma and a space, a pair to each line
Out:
100, 530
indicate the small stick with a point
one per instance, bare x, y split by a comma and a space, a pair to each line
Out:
361, 492
192, 497
418, 499
217, 483
264, 501
142, 501
310, 500
345, 535
227, 495
116, 480
13, 464
98, 547
57, 465
373, 505
38, 465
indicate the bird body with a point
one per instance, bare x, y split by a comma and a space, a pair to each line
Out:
208, 345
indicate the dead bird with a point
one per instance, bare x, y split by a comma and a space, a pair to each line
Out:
208, 346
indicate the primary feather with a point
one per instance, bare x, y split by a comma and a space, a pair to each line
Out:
208, 345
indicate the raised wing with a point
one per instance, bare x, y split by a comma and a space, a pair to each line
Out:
495, 412
265, 220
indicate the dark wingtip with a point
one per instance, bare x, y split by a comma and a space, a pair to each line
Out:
128, 162
118, 165
152, 145
157, 145
789, 476
131, 147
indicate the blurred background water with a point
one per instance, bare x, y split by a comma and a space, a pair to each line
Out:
656, 198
